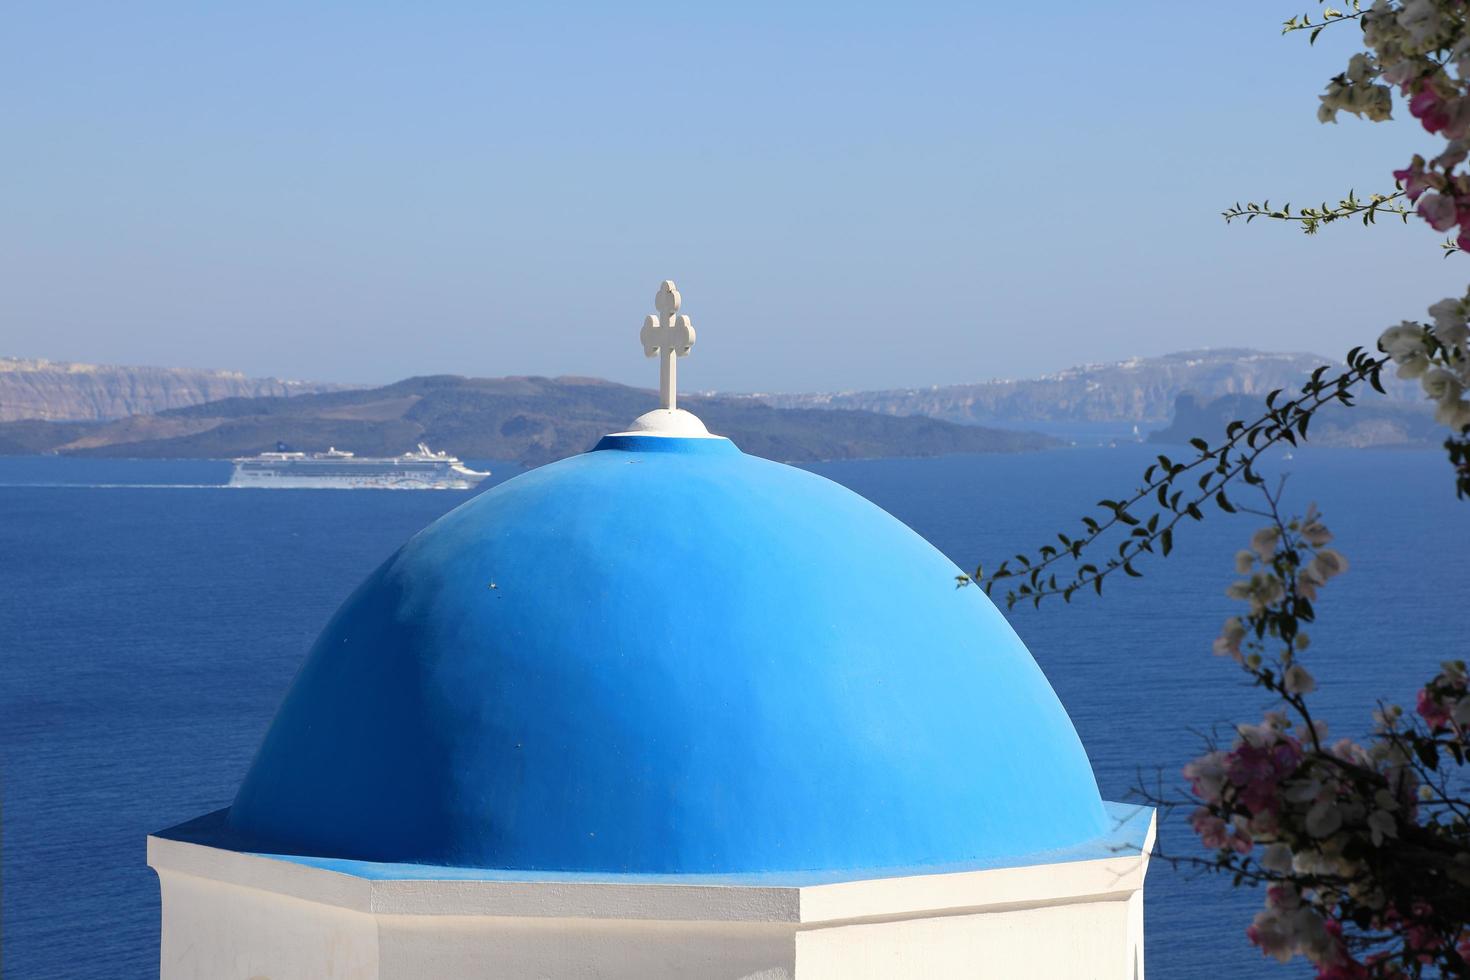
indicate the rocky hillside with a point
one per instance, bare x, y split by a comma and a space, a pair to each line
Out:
533, 420
1140, 390
67, 391
1368, 423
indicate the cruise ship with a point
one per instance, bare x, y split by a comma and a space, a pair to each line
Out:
422, 469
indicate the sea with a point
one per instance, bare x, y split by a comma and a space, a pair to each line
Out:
151, 619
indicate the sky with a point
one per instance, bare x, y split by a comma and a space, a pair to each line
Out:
848, 195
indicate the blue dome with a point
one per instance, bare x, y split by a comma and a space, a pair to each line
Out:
665, 656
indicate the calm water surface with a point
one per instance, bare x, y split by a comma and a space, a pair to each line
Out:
147, 634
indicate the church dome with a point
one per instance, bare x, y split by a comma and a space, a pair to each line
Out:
665, 656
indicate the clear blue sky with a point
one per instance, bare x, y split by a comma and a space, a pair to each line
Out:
849, 195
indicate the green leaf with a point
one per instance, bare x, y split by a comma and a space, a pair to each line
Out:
1427, 752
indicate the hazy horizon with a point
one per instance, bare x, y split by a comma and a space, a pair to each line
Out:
849, 199
350, 382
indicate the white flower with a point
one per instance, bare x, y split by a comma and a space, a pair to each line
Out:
1454, 413
1297, 680
1260, 590
1312, 937
1421, 18
1276, 858
1227, 644
1403, 340
1389, 753
1243, 562
1311, 863
1323, 819
1268, 732
1381, 26
1442, 385
1400, 72
1301, 790
1263, 542
1308, 582
1447, 311
1381, 824
1313, 531
1412, 365
1373, 101
1449, 321
1329, 563
1460, 713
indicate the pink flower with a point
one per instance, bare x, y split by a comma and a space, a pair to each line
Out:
1333, 960
1346, 968
1414, 179
1257, 770
1349, 751
1206, 776
1427, 107
1433, 712
1271, 936
1283, 897
1439, 210
1211, 829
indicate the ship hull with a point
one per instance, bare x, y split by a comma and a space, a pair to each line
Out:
353, 474
261, 482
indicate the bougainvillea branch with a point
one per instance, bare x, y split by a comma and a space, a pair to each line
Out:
1438, 355
1328, 17
1171, 491
1312, 219
1362, 848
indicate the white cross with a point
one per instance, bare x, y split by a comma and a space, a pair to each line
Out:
668, 334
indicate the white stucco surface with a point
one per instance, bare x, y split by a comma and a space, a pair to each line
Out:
231, 914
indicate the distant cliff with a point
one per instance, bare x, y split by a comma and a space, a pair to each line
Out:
67, 391
1373, 421
1139, 390
533, 420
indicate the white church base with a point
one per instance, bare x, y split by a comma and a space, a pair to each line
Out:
232, 914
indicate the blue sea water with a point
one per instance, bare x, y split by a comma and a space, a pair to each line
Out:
151, 620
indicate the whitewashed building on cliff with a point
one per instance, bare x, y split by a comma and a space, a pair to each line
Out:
663, 709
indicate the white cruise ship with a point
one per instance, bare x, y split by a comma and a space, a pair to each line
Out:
422, 469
